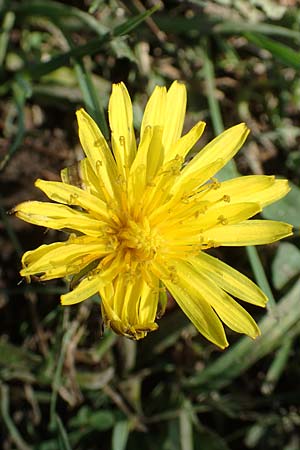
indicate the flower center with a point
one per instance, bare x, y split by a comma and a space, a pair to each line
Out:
140, 240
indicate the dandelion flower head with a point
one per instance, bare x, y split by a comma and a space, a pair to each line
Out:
140, 223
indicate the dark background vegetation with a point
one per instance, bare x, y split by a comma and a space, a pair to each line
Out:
63, 385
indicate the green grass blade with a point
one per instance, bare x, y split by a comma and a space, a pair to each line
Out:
93, 46
260, 277
132, 23
21, 90
13, 431
38, 70
282, 52
186, 427
91, 97
58, 375
120, 435
62, 435
278, 365
214, 107
205, 25
240, 27
230, 170
247, 352
8, 23
55, 10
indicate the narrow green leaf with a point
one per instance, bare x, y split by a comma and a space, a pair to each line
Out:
8, 22
120, 435
55, 10
247, 352
56, 383
132, 23
186, 429
21, 90
94, 420
278, 365
230, 170
15, 357
204, 26
240, 27
260, 277
92, 47
280, 51
91, 97
16, 437
62, 435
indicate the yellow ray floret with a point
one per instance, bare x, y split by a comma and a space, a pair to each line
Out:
140, 219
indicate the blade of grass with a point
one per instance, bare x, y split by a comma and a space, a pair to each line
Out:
90, 96
58, 374
260, 277
95, 4
13, 431
21, 90
204, 26
278, 365
62, 435
247, 352
132, 23
8, 22
186, 427
35, 71
280, 51
231, 170
55, 10
120, 435
228, 27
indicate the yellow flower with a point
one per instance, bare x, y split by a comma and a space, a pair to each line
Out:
142, 219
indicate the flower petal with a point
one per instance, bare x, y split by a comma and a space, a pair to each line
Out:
261, 189
58, 217
200, 314
121, 125
180, 192
206, 219
101, 276
73, 196
85, 289
252, 232
97, 152
130, 308
154, 114
188, 183
138, 170
229, 311
229, 279
61, 259
175, 113
194, 305
224, 146
187, 142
